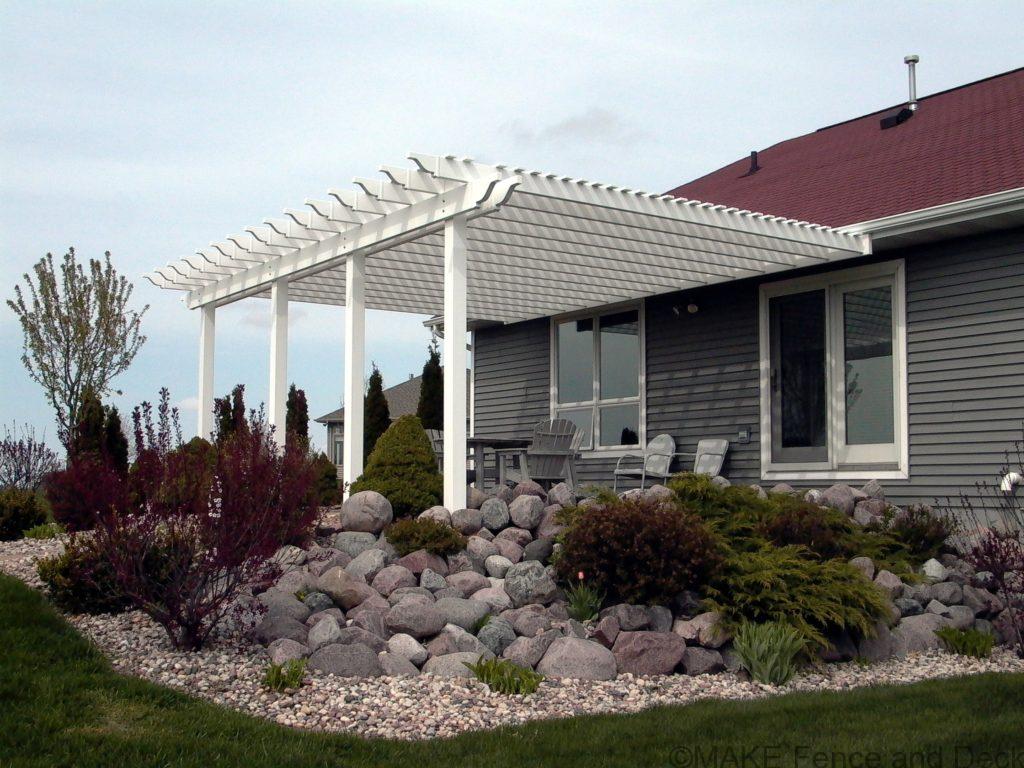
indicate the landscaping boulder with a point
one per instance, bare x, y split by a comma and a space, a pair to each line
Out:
324, 632
529, 621
326, 558
877, 646
528, 651
420, 560
549, 526
351, 660
354, 542
917, 633
475, 497
519, 536
296, 580
432, 580
562, 495
419, 619
408, 647
865, 565
367, 564
454, 639
890, 583
704, 629
392, 577
508, 550
468, 582
285, 649
868, 511
277, 627
658, 493
873, 490
648, 653
284, 604
947, 592
343, 588
366, 511
528, 488
496, 597
317, 601
450, 665
467, 521
393, 665
981, 601
337, 613
702, 661
462, 612
370, 620
437, 514
402, 593
630, 617
572, 657
494, 514
529, 582
934, 570
497, 634
606, 631
497, 566
840, 496
539, 550
659, 618
908, 606
504, 493
479, 549
783, 488
526, 512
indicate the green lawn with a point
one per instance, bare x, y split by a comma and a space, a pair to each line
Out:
61, 705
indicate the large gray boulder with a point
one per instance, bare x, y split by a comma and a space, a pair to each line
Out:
648, 653
468, 582
497, 565
479, 549
549, 526
705, 629
285, 649
865, 565
454, 639
981, 601
507, 549
702, 661
317, 601
343, 588
324, 632
421, 560
630, 617
366, 511
528, 488
277, 627
917, 633
462, 612
494, 514
578, 659
528, 651
475, 497
539, 550
496, 597
890, 583
529, 621
497, 634
284, 604
840, 496
526, 512
562, 495
451, 665
438, 514
394, 665
419, 619
353, 542
360, 636
467, 521
878, 646
296, 580
947, 592
367, 564
529, 582
432, 580
346, 661
393, 577
408, 647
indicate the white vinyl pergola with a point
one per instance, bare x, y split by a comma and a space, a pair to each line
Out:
474, 244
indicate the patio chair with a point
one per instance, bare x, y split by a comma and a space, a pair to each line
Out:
709, 457
655, 462
551, 457
436, 437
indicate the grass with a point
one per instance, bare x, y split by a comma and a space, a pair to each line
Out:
63, 706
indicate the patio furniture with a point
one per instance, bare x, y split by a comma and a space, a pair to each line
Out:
655, 462
436, 437
503, 449
709, 457
551, 456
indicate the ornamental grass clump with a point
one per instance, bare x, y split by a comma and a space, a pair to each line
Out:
966, 642
770, 652
287, 676
402, 468
502, 676
410, 535
638, 550
583, 601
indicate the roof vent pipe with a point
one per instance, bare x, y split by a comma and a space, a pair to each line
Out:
911, 62
754, 167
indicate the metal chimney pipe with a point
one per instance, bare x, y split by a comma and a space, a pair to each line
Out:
911, 61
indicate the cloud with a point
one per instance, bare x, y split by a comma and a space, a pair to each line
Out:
595, 125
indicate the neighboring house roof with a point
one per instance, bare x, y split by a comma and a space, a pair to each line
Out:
403, 399
960, 144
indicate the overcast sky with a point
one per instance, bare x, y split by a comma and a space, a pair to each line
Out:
151, 129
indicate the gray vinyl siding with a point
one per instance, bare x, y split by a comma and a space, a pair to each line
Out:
965, 364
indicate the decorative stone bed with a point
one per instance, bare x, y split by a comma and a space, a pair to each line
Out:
386, 636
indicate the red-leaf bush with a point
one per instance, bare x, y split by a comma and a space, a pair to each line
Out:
202, 522
87, 488
638, 550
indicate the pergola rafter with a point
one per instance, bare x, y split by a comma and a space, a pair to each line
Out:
478, 244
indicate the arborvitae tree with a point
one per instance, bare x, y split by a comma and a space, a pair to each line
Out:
376, 416
229, 412
296, 420
115, 442
430, 409
88, 437
78, 331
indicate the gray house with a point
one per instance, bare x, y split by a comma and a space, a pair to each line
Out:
906, 366
885, 340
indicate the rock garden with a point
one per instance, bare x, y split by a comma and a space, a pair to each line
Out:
391, 618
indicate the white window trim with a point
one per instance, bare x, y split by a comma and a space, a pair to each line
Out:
827, 471
555, 406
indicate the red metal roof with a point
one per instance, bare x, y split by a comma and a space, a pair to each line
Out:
961, 143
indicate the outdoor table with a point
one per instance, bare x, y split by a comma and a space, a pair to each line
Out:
503, 447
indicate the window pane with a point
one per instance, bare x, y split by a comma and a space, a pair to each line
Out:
620, 425
583, 418
799, 381
620, 355
867, 340
576, 361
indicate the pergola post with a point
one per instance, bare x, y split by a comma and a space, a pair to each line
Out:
278, 358
455, 363
207, 323
355, 353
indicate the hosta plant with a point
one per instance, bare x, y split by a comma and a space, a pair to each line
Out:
502, 676
769, 652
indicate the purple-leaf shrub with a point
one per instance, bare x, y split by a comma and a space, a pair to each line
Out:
25, 462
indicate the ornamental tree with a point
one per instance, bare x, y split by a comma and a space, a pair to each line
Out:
376, 416
430, 409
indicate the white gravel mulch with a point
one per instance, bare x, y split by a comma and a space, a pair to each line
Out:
231, 674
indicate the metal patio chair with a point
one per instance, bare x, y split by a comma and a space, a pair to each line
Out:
655, 462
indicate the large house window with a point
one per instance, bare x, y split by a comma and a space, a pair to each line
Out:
834, 375
598, 381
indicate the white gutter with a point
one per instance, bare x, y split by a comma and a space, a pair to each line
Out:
1007, 201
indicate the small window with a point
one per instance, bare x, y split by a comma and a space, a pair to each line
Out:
834, 393
597, 379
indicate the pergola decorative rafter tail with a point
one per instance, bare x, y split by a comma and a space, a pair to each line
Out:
475, 244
